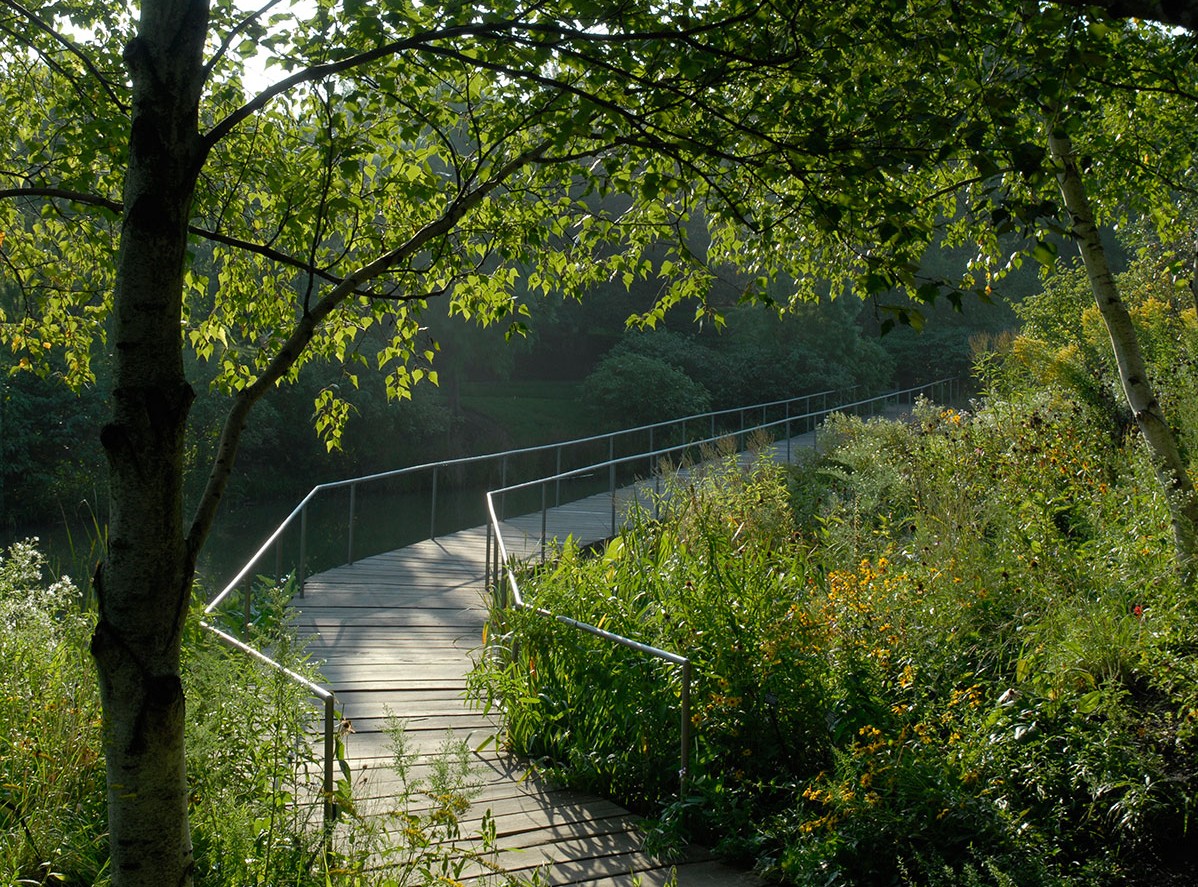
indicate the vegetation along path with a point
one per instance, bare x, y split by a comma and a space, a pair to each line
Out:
397, 633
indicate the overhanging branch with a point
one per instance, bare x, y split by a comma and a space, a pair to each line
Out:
306, 327
71, 47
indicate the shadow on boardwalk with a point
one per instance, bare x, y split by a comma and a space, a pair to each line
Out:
398, 632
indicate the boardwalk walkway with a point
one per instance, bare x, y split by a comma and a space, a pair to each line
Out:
397, 633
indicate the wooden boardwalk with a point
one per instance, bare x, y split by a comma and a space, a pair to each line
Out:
397, 634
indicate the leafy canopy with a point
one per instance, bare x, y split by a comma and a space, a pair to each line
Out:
495, 152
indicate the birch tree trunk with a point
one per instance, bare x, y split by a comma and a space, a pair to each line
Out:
1133, 374
143, 586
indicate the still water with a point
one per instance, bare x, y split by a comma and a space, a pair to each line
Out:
386, 516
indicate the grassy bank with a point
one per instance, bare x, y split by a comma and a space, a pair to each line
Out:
531, 413
950, 651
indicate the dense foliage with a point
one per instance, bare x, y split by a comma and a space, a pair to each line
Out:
754, 357
255, 803
948, 650
51, 767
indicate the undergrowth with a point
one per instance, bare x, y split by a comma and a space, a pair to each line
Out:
951, 650
253, 764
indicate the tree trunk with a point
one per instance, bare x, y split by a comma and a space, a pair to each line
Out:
144, 584
1133, 374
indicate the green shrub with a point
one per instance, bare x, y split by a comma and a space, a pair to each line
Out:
628, 389
971, 664
52, 795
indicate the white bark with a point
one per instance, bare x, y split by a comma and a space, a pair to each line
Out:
1133, 373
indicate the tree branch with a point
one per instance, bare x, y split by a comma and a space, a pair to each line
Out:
263, 250
307, 326
237, 29
71, 47
1182, 13
319, 72
64, 194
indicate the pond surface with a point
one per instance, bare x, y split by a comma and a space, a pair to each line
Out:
385, 516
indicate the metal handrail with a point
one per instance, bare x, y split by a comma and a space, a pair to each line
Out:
324, 694
501, 564
653, 456
300, 511
517, 601
327, 695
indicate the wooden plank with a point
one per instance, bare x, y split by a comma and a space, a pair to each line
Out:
397, 633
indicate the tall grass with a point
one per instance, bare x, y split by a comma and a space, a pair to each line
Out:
953, 650
256, 802
52, 792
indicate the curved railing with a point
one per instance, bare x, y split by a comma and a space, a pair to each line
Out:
716, 425
505, 463
504, 584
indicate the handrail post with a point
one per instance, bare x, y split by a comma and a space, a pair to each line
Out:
611, 480
330, 752
788, 432
301, 568
684, 772
432, 523
544, 522
557, 495
488, 571
502, 484
353, 503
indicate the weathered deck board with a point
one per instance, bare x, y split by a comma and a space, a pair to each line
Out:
397, 634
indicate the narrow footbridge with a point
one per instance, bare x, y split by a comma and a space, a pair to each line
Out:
398, 631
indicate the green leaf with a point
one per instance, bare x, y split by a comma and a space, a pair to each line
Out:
1045, 252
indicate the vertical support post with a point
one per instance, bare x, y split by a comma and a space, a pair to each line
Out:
353, 505
502, 484
788, 432
557, 493
432, 521
302, 568
487, 574
330, 752
684, 772
611, 479
544, 521
652, 466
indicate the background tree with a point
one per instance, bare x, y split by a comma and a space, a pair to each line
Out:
413, 151
1023, 128
408, 152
